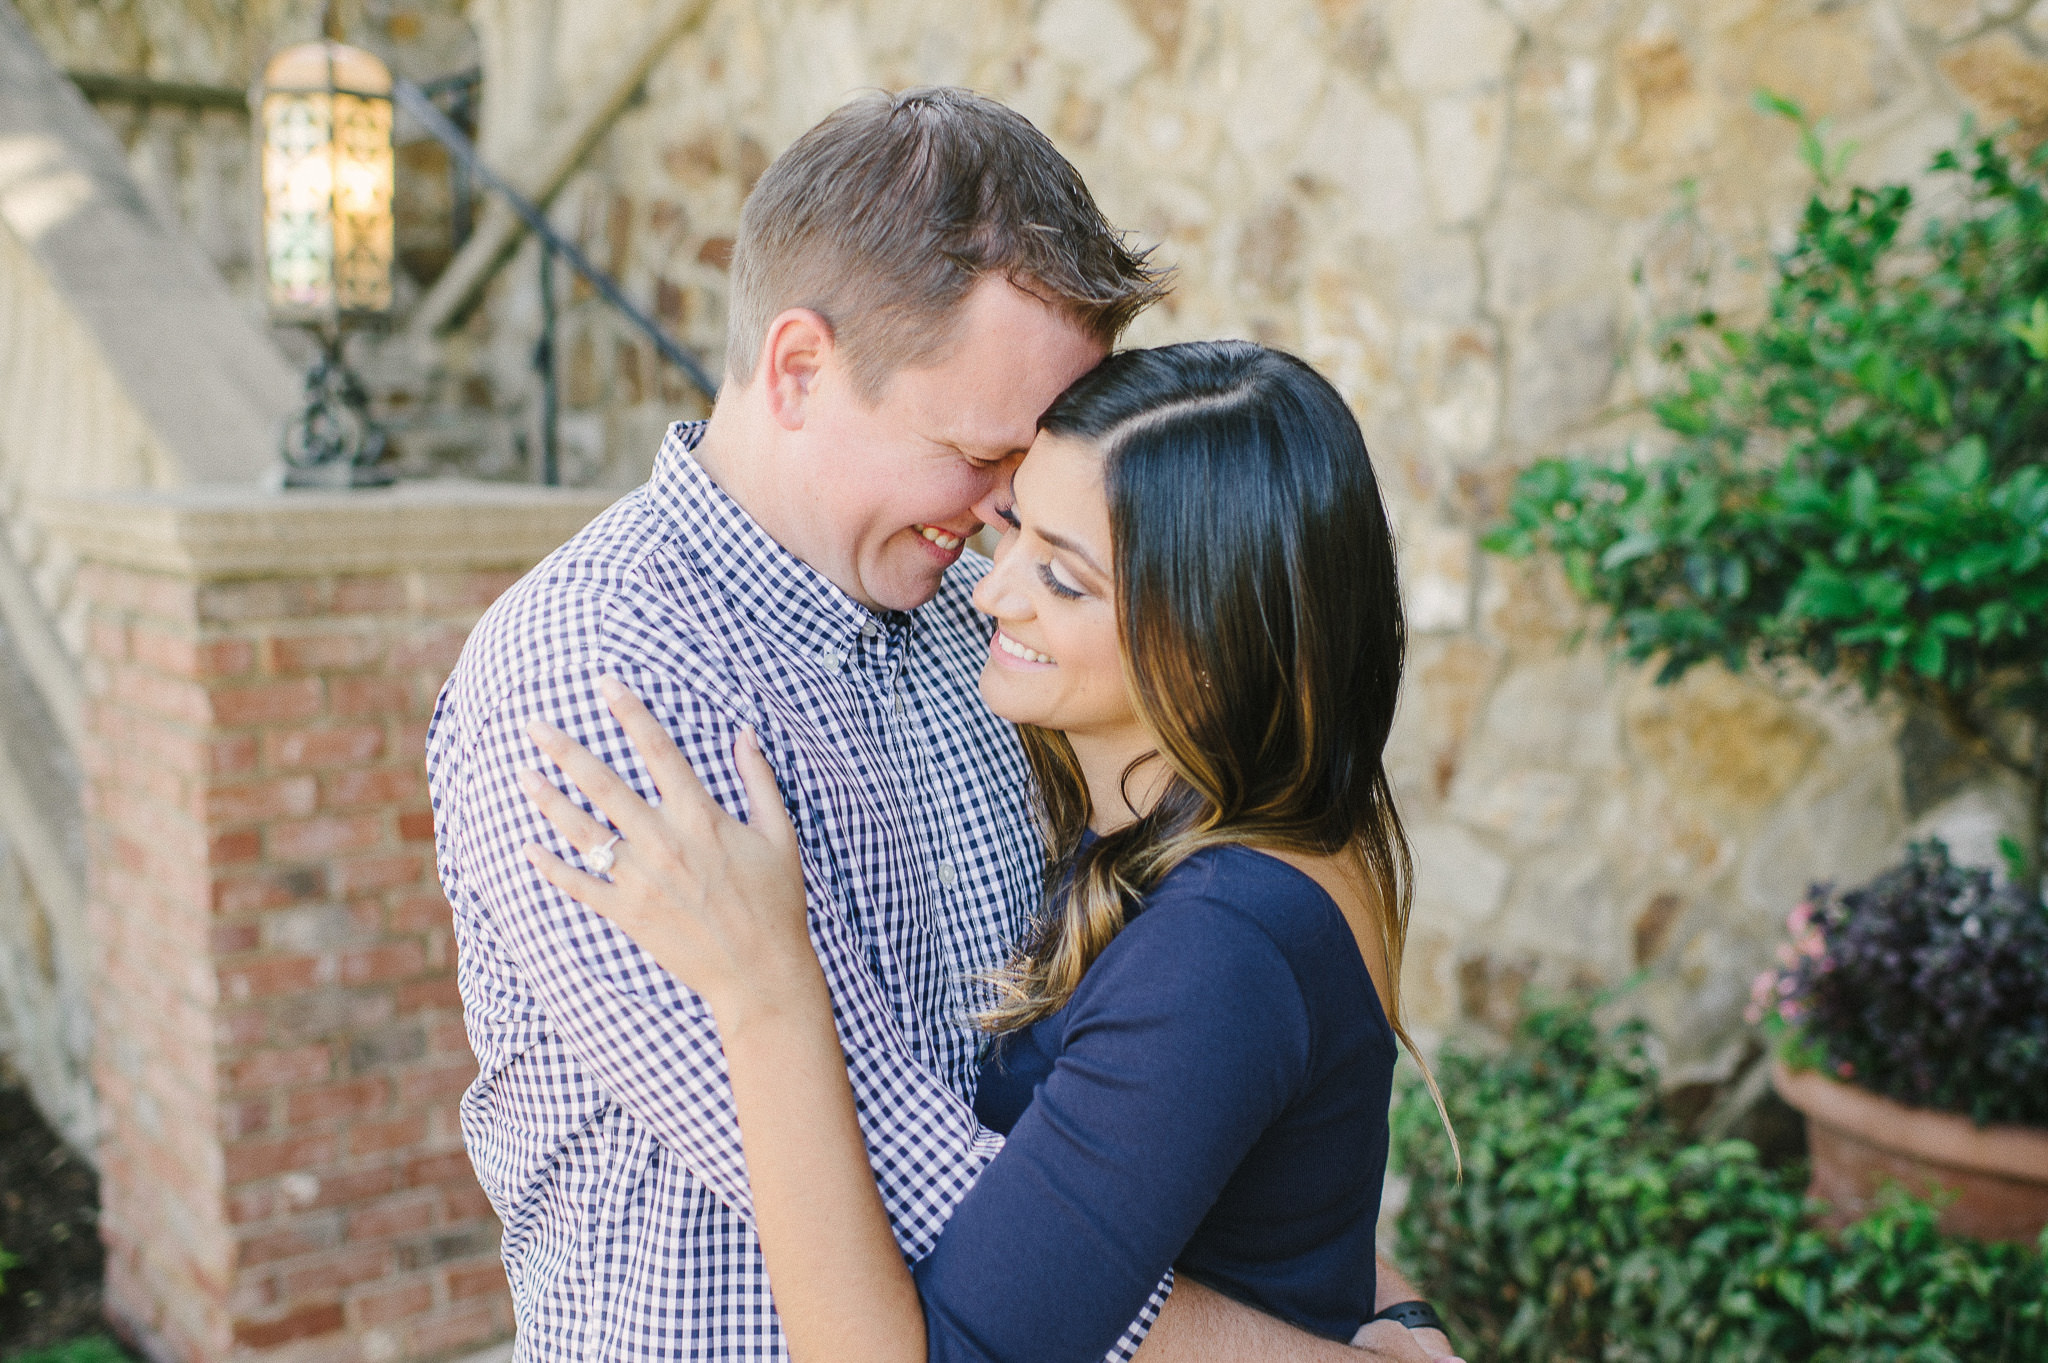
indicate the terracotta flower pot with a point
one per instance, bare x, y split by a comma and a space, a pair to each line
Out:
1860, 1142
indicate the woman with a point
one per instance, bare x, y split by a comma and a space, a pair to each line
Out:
1199, 634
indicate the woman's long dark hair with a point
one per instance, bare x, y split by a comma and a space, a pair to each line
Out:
1259, 613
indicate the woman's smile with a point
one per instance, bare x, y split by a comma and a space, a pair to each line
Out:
1008, 651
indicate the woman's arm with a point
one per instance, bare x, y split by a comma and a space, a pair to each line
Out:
840, 1283
731, 926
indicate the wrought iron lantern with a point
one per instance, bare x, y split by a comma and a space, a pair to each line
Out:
324, 115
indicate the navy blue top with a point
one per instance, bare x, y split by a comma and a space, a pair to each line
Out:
1213, 1097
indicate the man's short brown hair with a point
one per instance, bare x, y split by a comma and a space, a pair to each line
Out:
884, 216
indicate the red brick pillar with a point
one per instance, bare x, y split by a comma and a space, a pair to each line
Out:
278, 1041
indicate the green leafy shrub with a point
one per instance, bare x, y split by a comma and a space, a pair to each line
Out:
1858, 482
84, 1349
1588, 1230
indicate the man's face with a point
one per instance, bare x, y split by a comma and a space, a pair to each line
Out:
891, 487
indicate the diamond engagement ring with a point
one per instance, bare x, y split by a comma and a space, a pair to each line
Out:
600, 859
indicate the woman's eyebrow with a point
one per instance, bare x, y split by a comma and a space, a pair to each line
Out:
1062, 542
1056, 540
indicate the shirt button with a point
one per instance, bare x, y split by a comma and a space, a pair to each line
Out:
831, 657
947, 875
870, 630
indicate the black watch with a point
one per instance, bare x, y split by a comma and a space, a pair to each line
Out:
1416, 1315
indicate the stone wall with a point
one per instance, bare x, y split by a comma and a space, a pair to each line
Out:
1473, 215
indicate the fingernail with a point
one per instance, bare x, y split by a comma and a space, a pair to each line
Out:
749, 737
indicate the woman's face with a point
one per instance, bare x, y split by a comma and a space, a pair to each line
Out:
1055, 659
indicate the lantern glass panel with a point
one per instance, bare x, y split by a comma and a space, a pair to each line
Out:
364, 226
298, 195
328, 169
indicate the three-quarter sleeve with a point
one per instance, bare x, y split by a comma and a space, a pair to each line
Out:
1186, 1039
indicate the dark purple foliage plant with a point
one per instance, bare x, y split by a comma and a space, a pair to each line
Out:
1929, 986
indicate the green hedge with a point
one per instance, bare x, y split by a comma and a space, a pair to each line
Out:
1588, 1230
84, 1349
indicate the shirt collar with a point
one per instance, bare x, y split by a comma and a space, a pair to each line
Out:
797, 604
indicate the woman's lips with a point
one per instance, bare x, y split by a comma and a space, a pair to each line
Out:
1008, 650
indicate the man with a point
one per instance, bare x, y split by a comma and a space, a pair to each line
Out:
915, 280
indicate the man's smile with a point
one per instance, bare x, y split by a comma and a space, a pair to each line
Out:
944, 546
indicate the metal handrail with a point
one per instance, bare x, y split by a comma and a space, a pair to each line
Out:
421, 106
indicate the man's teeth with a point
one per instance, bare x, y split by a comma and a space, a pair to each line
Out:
1017, 650
940, 537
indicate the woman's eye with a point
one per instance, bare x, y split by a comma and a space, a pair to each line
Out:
1009, 515
1053, 584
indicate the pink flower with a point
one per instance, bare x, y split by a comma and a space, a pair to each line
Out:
1797, 921
1845, 1069
1791, 1010
1762, 989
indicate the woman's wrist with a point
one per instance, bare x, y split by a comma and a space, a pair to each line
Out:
788, 995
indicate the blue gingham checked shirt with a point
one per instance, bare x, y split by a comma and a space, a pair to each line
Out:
601, 1124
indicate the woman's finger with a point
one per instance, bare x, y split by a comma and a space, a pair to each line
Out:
581, 886
765, 811
569, 818
673, 775
604, 787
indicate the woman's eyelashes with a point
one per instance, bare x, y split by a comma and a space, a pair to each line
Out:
1009, 515
1058, 588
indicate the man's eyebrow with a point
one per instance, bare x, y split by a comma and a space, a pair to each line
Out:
983, 446
980, 452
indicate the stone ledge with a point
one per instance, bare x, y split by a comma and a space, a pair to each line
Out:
217, 533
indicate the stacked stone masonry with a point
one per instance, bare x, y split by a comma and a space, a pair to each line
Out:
282, 1047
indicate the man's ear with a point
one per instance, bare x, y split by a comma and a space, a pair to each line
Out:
798, 347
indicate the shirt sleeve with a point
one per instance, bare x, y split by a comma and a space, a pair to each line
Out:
1187, 1038
648, 1041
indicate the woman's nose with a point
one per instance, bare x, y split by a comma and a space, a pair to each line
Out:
999, 593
